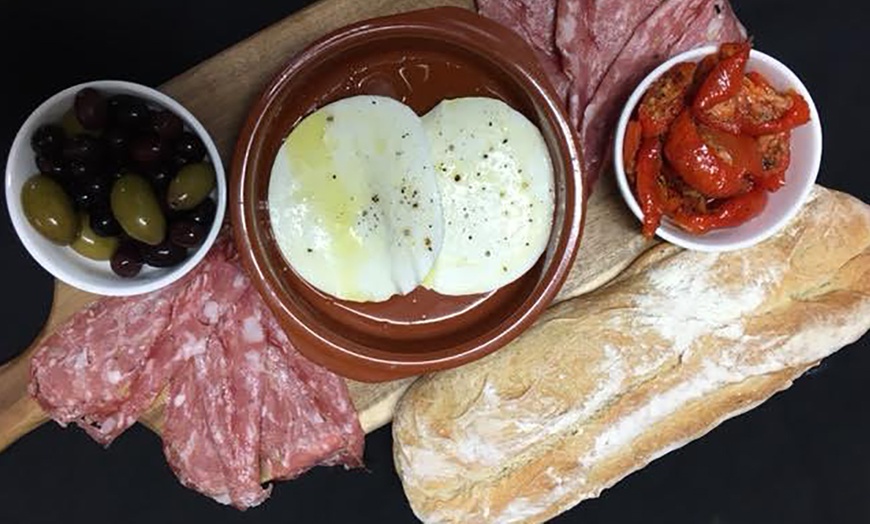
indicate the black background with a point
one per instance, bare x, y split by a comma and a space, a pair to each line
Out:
803, 457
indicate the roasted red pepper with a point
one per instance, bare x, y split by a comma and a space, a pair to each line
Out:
631, 145
726, 78
739, 151
797, 114
699, 165
649, 167
709, 143
727, 213
665, 99
775, 151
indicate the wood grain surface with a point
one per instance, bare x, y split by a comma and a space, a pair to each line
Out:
219, 92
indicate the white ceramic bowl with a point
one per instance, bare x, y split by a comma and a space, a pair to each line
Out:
64, 263
782, 206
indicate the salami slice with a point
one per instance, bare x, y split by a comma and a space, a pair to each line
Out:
589, 36
328, 392
82, 373
294, 434
187, 441
242, 403
231, 373
535, 22
196, 312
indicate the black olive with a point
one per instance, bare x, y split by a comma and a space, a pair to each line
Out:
103, 222
91, 109
47, 166
187, 233
129, 112
160, 175
167, 125
127, 260
165, 254
189, 148
48, 141
79, 169
85, 148
147, 149
91, 191
204, 213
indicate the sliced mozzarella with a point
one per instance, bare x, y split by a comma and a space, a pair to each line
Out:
495, 176
354, 202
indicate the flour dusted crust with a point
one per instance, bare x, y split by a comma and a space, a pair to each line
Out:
604, 384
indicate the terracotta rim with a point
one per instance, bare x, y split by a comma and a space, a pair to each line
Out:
509, 53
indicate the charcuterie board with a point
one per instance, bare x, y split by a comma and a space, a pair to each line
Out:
219, 92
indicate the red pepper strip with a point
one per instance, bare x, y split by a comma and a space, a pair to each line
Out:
631, 145
775, 153
729, 213
698, 164
726, 78
739, 151
796, 115
724, 116
665, 99
649, 166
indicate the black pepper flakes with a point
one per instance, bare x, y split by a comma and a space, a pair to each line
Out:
488, 254
376, 199
457, 178
330, 118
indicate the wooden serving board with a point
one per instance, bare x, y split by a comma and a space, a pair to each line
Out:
219, 92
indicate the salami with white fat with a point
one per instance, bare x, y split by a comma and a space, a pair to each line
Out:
242, 405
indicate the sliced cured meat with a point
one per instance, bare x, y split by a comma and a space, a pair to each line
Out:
230, 372
675, 23
589, 36
241, 403
329, 392
294, 435
716, 22
196, 311
83, 371
187, 441
535, 22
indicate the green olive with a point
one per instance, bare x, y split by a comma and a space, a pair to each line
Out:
91, 245
136, 208
49, 209
192, 185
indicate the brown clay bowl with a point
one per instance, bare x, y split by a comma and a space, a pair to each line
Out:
419, 58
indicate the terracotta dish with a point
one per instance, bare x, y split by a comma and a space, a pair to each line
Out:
419, 58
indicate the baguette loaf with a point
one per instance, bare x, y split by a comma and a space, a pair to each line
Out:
606, 383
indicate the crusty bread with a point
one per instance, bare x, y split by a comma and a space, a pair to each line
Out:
606, 383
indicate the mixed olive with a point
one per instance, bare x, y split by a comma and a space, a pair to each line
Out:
122, 181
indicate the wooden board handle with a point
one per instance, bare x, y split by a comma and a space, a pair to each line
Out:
19, 412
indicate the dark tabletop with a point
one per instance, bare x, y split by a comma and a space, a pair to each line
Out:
803, 457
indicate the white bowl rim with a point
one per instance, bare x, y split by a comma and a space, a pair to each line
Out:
688, 240
55, 266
